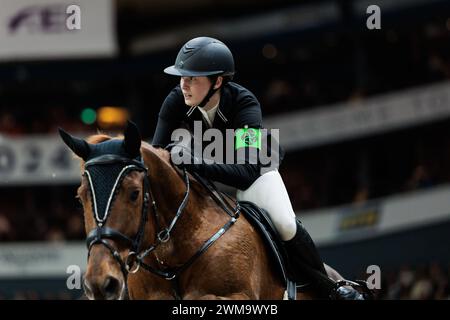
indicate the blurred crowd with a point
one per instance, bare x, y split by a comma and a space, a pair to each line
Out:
286, 75
40, 214
334, 66
42, 120
340, 67
356, 171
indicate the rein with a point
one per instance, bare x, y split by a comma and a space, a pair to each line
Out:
164, 235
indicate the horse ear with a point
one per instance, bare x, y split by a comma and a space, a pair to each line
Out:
132, 140
78, 146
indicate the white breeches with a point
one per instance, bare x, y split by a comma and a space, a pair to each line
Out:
269, 193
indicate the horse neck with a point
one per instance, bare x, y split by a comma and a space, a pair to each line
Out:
168, 189
166, 185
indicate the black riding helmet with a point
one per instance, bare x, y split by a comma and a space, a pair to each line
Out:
204, 57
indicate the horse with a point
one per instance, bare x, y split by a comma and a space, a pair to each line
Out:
146, 221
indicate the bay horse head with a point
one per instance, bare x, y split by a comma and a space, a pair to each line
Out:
115, 199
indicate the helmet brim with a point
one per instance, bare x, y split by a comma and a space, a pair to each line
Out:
172, 70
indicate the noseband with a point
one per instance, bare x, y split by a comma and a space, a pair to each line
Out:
96, 171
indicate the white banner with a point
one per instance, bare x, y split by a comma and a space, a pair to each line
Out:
380, 217
49, 29
33, 260
375, 115
37, 160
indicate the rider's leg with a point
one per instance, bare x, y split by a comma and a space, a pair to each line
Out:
269, 193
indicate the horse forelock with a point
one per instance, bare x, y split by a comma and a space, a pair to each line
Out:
101, 137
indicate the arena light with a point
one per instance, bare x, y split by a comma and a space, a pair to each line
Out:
109, 117
88, 116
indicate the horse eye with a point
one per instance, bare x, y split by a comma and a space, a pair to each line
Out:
134, 195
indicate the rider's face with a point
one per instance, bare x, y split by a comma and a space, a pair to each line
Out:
194, 89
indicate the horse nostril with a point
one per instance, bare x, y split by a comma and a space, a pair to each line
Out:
111, 287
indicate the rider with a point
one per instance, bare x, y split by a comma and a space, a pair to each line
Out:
206, 94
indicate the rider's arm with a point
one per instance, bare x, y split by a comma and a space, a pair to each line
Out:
169, 118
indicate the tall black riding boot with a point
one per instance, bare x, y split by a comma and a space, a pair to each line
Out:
302, 251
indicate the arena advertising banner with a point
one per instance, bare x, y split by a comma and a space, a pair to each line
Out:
374, 115
43, 29
36, 160
377, 218
41, 259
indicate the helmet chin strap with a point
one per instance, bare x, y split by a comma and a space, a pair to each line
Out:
209, 94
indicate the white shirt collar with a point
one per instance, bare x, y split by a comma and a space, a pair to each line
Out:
210, 114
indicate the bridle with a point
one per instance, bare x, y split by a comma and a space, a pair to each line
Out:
101, 233
136, 255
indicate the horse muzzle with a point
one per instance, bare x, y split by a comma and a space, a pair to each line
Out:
104, 288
